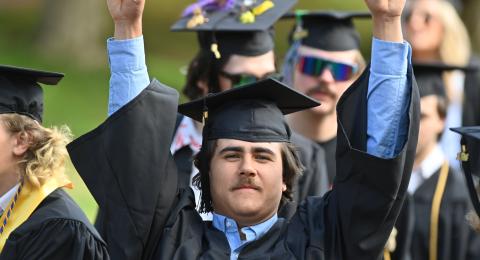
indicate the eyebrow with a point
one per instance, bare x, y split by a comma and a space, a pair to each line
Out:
241, 149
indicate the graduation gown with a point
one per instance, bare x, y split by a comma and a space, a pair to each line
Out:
146, 216
313, 182
57, 229
456, 239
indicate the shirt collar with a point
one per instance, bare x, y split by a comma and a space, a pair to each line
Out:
432, 162
229, 227
7, 197
186, 135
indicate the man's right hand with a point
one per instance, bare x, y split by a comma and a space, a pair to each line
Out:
127, 16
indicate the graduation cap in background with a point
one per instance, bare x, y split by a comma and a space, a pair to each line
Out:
326, 30
242, 27
252, 113
470, 159
429, 77
20, 91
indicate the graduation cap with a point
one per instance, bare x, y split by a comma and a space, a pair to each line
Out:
242, 27
326, 30
252, 113
429, 77
470, 159
20, 92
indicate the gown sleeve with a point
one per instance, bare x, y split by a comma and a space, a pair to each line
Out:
127, 166
56, 239
355, 218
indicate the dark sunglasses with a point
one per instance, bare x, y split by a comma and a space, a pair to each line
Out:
243, 79
314, 66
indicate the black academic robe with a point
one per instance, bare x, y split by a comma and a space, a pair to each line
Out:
57, 229
313, 181
126, 164
456, 239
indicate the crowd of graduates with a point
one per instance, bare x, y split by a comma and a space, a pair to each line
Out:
325, 155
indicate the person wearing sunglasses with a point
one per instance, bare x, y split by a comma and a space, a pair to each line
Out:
323, 61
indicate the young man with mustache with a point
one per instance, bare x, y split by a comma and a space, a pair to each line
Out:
246, 163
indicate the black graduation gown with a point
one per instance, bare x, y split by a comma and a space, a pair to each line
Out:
313, 181
456, 239
146, 215
57, 229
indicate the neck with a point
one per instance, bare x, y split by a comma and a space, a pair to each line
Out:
422, 154
426, 56
320, 128
7, 182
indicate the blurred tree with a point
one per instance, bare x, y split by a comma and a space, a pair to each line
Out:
73, 29
469, 12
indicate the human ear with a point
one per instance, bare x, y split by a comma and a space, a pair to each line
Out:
21, 144
284, 187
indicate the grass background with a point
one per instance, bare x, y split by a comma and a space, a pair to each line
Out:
80, 100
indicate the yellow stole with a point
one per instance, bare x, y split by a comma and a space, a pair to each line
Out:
28, 200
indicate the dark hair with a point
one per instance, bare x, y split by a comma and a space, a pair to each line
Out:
204, 67
442, 106
291, 164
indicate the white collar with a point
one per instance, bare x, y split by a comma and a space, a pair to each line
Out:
427, 168
7, 197
186, 135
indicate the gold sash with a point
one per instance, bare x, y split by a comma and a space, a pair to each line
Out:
28, 200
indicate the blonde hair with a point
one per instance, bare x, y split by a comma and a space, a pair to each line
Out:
472, 217
455, 48
46, 154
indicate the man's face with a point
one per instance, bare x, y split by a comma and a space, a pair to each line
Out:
246, 181
324, 87
431, 124
247, 68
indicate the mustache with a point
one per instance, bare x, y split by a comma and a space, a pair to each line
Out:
246, 183
320, 88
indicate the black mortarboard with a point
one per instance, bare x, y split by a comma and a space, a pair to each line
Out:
429, 77
20, 92
252, 113
326, 30
470, 159
224, 29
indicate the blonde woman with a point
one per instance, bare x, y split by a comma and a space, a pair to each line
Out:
38, 219
437, 34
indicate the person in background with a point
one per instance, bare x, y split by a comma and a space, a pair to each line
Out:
323, 61
435, 227
38, 219
437, 34
233, 53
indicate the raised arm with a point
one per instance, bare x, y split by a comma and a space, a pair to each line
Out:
369, 188
388, 91
126, 53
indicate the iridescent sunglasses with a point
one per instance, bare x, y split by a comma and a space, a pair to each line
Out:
314, 66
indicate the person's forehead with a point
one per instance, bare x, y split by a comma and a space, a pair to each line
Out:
241, 64
343, 56
223, 143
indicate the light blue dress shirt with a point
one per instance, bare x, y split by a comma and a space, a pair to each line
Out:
229, 227
388, 98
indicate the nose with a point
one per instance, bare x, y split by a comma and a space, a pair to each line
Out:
247, 167
326, 76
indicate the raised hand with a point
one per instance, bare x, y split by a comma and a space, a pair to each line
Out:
386, 16
386, 8
127, 16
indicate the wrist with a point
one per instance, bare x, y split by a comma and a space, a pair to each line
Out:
127, 29
387, 28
